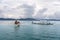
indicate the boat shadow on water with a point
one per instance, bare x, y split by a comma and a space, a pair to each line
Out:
16, 31
16, 28
16, 25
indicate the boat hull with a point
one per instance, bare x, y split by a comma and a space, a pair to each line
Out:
44, 23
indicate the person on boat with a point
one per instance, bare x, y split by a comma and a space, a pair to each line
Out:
16, 22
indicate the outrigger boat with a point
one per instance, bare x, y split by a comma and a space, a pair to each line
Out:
42, 23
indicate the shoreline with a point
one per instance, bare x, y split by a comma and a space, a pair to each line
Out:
30, 20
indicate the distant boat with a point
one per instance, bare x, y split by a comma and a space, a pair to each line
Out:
17, 23
42, 22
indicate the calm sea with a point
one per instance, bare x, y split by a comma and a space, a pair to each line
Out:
29, 31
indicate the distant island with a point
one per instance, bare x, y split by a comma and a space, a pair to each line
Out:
29, 19
23, 19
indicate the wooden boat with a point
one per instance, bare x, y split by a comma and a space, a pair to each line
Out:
42, 23
17, 23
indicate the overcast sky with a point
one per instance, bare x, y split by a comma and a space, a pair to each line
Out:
30, 9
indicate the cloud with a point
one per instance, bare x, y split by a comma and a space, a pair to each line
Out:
21, 11
40, 13
29, 8
53, 6
57, 15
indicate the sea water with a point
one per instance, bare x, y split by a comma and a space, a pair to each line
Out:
29, 31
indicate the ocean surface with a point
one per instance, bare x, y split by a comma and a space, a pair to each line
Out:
29, 31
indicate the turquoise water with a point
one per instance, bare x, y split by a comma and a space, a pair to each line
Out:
29, 31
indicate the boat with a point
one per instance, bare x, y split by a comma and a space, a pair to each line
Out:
17, 23
42, 22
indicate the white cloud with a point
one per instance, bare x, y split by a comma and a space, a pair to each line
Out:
11, 8
52, 6
31, 8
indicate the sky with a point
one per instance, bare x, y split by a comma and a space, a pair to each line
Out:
40, 9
